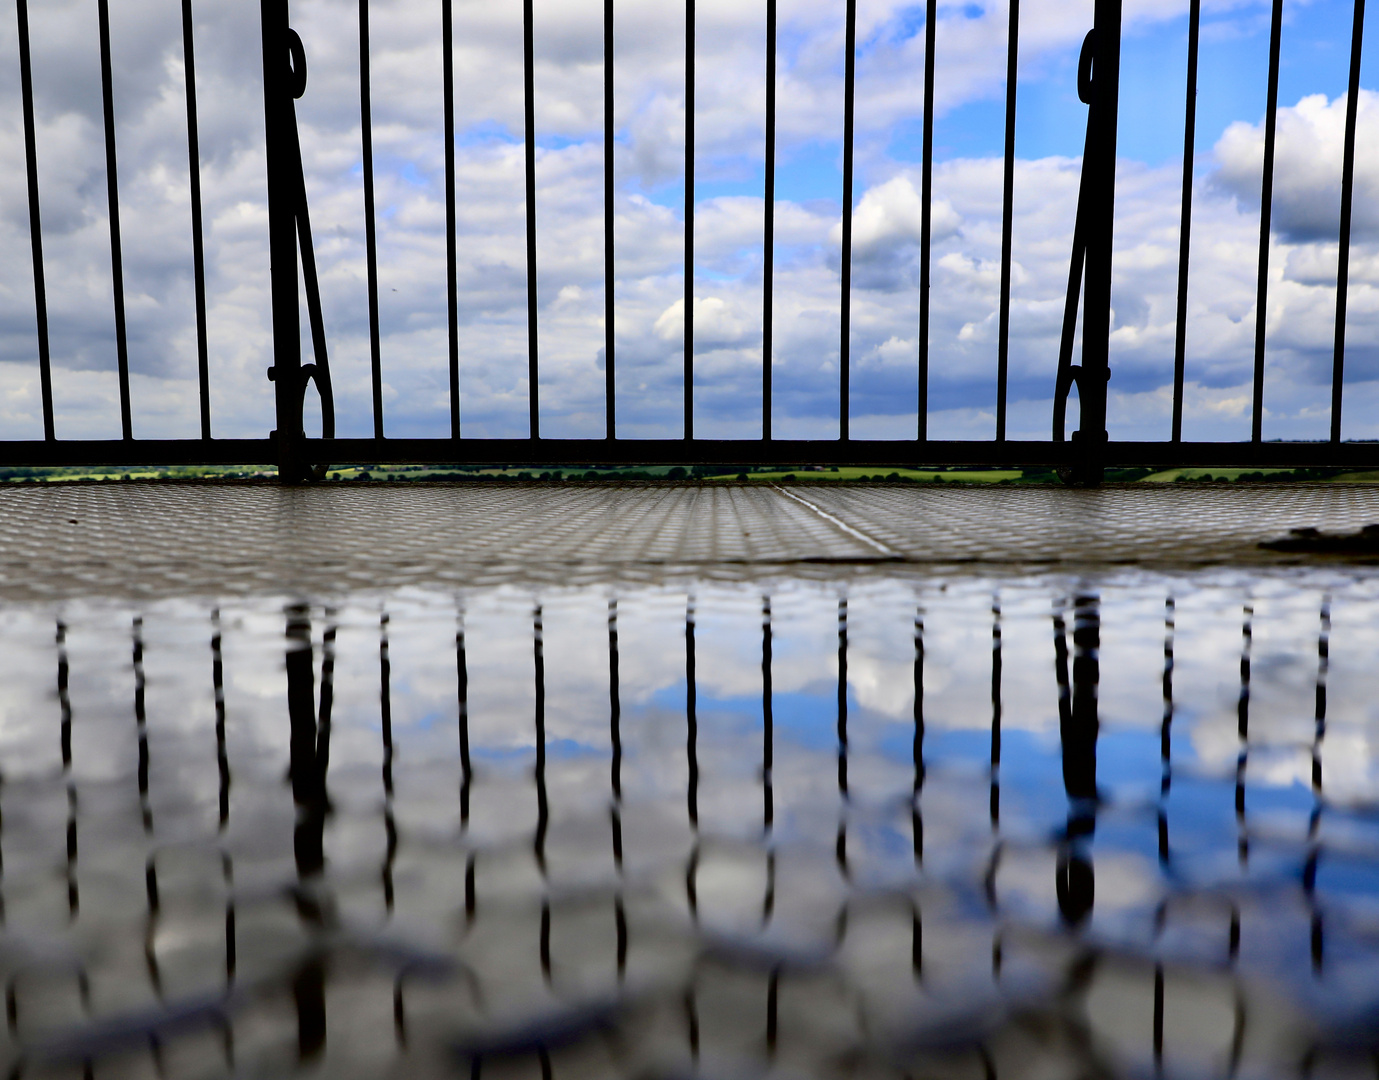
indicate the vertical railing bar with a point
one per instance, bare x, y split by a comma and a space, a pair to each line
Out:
926, 215
1185, 222
370, 228
112, 187
529, 105
45, 373
1266, 205
282, 154
845, 320
1007, 220
768, 245
1347, 194
689, 220
1097, 198
198, 243
610, 392
451, 272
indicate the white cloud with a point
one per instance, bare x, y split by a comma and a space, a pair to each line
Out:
1308, 157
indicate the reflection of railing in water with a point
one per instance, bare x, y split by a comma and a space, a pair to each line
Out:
1078, 728
309, 716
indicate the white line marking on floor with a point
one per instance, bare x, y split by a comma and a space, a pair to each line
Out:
854, 533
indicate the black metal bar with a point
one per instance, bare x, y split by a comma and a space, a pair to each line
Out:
198, 244
112, 190
926, 215
610, 389
370, 224
689, 221
1357, 33
45, 373
1007, 218
452, 288
529, 105
1068, 373
280, 151
768, 245
1266, 206
319, 371
1099, 169
1185, 221
845, 318
520, 453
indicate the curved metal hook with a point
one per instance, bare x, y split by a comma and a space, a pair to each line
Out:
1070, 374
321, 377
1085, 60
318, 372
296, 68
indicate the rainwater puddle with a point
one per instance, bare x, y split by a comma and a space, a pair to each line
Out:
897, 826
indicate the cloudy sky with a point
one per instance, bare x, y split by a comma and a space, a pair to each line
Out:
650, 163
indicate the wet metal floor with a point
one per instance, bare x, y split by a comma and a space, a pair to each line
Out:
156, 539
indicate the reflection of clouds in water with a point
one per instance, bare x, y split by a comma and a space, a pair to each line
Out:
829, 898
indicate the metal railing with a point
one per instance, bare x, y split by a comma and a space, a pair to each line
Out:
1090, 276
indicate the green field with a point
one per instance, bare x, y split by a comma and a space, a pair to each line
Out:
663, 473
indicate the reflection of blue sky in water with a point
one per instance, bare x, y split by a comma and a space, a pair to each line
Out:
847, 871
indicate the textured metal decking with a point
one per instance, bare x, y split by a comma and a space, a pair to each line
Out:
152, 538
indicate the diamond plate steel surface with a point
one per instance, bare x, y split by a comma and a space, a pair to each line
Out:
152, 538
